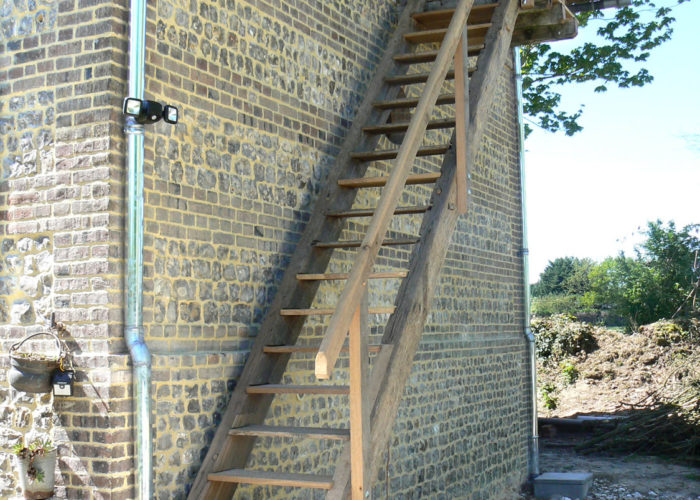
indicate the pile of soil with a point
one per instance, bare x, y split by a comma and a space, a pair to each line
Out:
628, 376
626, 370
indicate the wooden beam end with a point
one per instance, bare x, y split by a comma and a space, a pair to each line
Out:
322, 370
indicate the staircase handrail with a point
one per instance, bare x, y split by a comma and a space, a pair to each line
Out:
364, 261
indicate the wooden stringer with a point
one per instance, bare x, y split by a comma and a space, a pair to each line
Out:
465, 31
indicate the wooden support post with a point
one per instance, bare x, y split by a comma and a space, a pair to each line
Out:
359, 401
461, 117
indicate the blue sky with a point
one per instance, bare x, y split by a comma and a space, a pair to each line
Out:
637, 159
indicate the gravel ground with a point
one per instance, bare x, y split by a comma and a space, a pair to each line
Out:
619, 477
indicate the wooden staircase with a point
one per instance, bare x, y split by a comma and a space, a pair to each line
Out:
374, 399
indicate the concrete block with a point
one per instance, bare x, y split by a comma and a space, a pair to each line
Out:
574, 485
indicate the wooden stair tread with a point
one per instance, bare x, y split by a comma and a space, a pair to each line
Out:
441, 18
430, 55
414, 78
288, 431
436, 35
272, 478
403, 126
412, 102
369, 212
364, 182
358, 243
292, 349
297, 389
329, 311
388, 154
344, 276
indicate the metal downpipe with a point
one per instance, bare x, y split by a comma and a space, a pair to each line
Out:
534, 462
133, 333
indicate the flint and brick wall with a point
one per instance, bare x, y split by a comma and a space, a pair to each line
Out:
266, 93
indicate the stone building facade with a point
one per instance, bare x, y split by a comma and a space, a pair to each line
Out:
267, 91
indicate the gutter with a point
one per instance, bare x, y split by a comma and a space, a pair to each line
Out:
533, 452
133, 333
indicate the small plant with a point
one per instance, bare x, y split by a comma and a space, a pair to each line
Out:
550, 401
560, 336
37, 448
569, 372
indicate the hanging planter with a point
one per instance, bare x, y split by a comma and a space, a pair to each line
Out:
36, 465
31, 371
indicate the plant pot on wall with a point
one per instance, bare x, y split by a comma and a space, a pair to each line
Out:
36, 467
31, 371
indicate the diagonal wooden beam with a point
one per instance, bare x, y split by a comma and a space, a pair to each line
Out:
415, 296
350, 296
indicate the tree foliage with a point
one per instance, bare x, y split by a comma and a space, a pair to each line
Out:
654, 283
624, 42
641, 289
563, 275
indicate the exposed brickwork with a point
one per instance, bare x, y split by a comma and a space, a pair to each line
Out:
266, 93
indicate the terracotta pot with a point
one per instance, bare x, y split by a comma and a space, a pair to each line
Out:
35, 490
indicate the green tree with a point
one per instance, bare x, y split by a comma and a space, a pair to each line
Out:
625, 40
564, 275
652, 285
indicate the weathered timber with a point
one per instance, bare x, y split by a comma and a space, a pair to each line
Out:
265, 478
260, 367
461, 114
389, 154
357, 282
415, 295
292, 432
369, 212
367, 182
389, 128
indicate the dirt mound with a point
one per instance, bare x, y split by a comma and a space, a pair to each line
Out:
660, 361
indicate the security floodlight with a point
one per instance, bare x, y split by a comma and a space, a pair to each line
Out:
170, 114
145, 111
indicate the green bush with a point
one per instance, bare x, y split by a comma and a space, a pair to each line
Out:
551, 304
569, 372
548, 398
561, 335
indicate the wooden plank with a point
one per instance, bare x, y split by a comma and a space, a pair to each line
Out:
367, 182
297, 389
389, 128
547, 22
430, 55
461, 117
388, 154
328, 312
292, 349
432, 19
341, 477
359, 243
359, 403
266, 478
369, 212
344, 276
292, 432
412, 102
260, 368
414, 78
437, 35
354, 287
416, 293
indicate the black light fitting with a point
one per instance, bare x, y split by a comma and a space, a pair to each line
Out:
149, 111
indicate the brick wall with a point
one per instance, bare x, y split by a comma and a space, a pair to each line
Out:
266, 93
